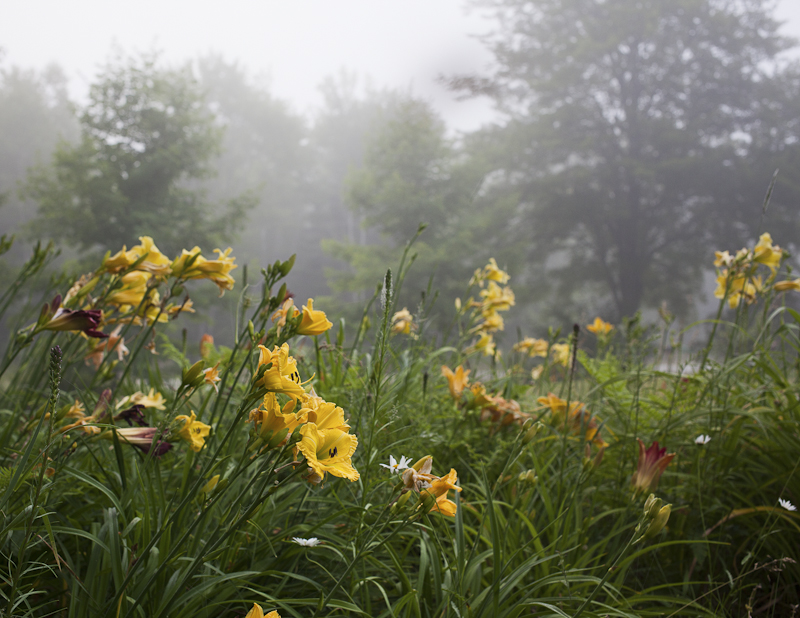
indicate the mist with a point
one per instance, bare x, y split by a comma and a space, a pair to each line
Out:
601, 175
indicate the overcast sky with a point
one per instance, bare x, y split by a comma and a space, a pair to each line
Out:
293, 44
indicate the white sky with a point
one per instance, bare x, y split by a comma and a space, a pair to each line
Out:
295, 43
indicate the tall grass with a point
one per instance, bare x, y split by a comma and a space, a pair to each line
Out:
544, 440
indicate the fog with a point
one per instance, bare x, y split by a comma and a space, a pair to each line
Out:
334, 129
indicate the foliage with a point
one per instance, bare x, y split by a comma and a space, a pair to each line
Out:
35, 112
145, 133
179, 484
639, 135
411, 174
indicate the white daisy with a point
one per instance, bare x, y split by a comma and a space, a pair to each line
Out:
396, 466
312, 542
787, 505
702, 439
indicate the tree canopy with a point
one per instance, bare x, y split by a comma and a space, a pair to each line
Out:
146, 135
641, 135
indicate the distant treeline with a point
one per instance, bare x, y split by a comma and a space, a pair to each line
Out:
636, 138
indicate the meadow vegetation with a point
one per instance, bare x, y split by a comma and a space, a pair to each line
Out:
392, 467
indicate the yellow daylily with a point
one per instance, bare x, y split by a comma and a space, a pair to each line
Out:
768, 254
282, 376
439, 489
492, 272
492, 322
784, 286
479, 397
503, 411
558, 406
485, 345
282, 314
258, 612
722, 258
192, 265
328, 450
456, 381
193, 431
154, 261
78, 411
497, 298
324, 414
736, 287
534, 347
274, 423
153, 399
314, 322
403, 322
211, 376
578, 418
133, 290
599, 327
560, 352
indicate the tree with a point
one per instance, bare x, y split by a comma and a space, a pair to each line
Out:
35, 112
146, 133
634, 128
413, 173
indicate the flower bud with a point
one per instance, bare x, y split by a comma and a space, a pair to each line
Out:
286, 266
421, 463
401, 502
658, 523
427, 501
531, 432
193, 376
211, 485
655, 508
278, 438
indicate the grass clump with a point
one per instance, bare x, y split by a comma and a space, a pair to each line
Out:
314, 470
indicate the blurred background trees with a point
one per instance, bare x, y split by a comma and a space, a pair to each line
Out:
635, 138
641, 135
146, 133
35, 113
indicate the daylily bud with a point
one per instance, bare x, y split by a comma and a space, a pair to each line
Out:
211, 485
286, 266
528, 476
658, 523
401, 501
427, 501
648, 503
655, 508
281, 296
533, 429
193, 376
279, 437
422, 463
251, 329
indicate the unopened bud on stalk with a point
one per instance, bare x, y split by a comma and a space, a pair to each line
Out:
649, 503
401, 502
278, 438
281, 294
251, 329
286, 266
193, 376
658, 523
531, 432
427, 501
